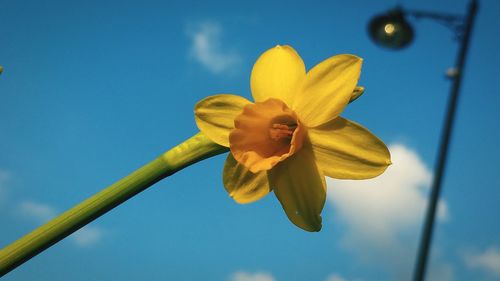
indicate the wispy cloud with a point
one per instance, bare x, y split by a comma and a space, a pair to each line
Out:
4, 178
41, 213
337, 277
487, 260
87, 236
246, 276
207, 47
383, 215
440, 271
38, 212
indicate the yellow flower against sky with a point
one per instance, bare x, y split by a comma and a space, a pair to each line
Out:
293, 135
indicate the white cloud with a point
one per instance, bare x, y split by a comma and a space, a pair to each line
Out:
384, 215
87, 236
206, 48
440, 271
42, 213
335, 277
488, 261
4, 178
39, 212
246, 276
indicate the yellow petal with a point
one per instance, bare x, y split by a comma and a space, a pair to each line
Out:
277, 74
356, 93
346, 150
301, 189
241, 184
327, 89
215, 115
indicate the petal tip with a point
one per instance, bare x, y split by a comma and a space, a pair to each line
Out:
316, 227
352, 56
284, 47
357, 57
240, 200
356, 60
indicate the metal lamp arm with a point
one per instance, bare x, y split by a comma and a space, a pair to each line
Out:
452, 21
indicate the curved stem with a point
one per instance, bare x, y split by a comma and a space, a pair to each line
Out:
195, 149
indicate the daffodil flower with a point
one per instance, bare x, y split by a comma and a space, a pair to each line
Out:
292, 136
286, 142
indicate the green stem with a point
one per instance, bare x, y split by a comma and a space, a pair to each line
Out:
195, 149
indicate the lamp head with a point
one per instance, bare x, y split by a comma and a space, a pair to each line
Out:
391, 30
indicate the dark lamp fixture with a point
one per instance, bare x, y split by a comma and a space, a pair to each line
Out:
391, 30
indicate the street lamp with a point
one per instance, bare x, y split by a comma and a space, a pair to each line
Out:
391, 30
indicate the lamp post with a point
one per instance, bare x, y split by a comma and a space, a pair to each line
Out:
391, 30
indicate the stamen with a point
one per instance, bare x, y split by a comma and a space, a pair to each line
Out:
281, 131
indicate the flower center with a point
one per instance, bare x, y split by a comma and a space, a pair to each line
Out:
265, 134
279, 132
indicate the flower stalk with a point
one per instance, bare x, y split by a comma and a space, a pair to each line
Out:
193, 150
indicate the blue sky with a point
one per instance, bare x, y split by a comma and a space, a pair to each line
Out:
94, 89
